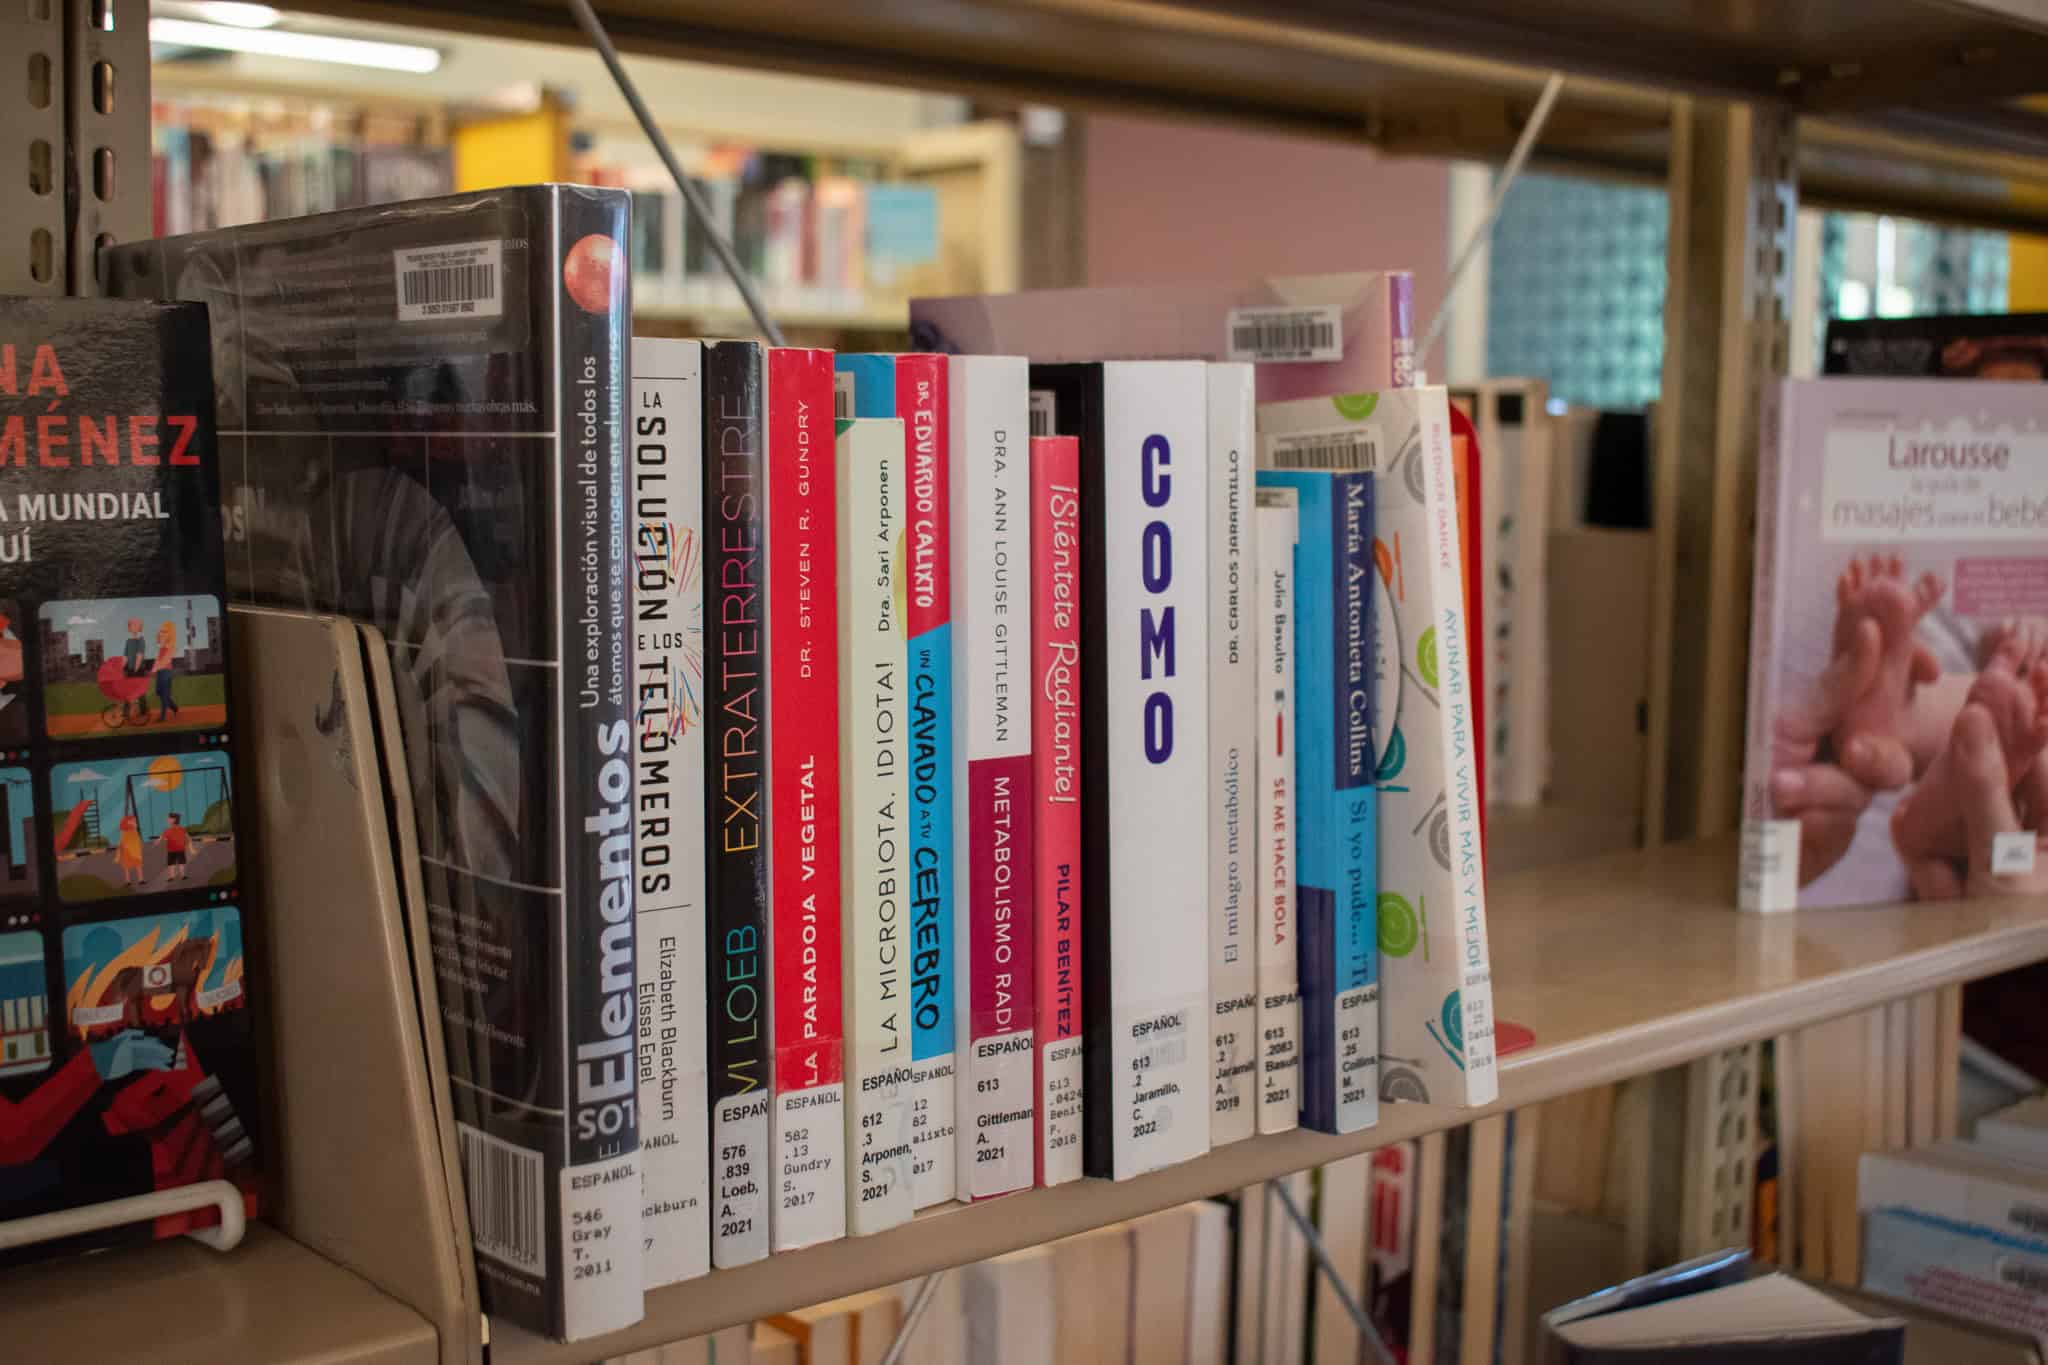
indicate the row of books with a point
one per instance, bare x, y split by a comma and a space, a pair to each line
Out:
801, 742
201, 179
810, 238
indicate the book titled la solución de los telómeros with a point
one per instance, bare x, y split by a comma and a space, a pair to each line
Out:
127, 1063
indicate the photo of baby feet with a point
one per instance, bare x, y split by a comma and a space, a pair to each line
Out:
1943, 827
1875, 590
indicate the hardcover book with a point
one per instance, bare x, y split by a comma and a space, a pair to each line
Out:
1273, 845
1436, 993
1145, 767
1056, 814
666, 474
990, 500
874, 822
127, 1060
1305, 334
1336, 853
806, 1140
736, 823
1898, 664
1233, 969
913, 388
422, 414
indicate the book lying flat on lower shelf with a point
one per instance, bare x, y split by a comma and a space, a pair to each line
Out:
1436, 992
873, 823
667, 519
1056, 775
1336, 858
127, 1059
1305, 334
1145, 771
422, 413
1896, 661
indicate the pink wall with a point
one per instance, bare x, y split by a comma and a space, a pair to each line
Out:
1185, 201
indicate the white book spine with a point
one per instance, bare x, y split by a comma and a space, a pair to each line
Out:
990, 493
1155, 522
666, 486
874, 823
1233, 972
1279, 972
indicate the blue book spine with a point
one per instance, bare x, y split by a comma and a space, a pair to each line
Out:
913, 387
1337, 879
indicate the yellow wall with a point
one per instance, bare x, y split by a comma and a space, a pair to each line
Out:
2026, 289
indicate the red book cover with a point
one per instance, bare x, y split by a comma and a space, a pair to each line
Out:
1056, 809
1465, 458
807, 1141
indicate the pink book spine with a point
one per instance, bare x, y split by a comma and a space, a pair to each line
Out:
1056, 819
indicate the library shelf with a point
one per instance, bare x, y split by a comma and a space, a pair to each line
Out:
1622, 965
269, 1300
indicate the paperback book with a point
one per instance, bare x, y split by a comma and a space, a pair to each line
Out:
1436, 993
1145, 771
1056, 775
913, 388
1233, 970
1898, 669
127, 1057
1274, 927
422, 413
1305, 334
806, 1139
874, 823
989, 488
666, 473
736, 823
1336, 850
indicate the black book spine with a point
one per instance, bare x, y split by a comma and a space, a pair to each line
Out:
1077, 411
735, 808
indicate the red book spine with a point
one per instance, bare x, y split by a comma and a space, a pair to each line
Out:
1056, 781
803, 796
1465, 470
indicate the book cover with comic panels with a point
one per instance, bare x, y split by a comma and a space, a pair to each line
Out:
126, 1052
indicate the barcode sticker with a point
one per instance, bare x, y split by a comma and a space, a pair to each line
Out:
1044, 413
1344, 449
1285, 336
507, 1199
2012, 853
453, 280
842, 396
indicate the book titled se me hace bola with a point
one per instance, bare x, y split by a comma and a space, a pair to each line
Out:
126, 1057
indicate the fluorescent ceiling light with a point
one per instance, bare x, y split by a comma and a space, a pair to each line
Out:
311, 47
235, 14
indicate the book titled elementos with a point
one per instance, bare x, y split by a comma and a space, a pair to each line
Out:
1436, 992
422, 411
1336, 856
1145, 883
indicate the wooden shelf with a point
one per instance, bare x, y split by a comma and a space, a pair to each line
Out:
1918, 84
269, 1299
1622, 965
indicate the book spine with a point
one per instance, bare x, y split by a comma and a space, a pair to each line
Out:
1233, 971
1056, 773
1401, 327
990, 495
806, 1134
1769, 878
1153, 521
667, 520
595, 1243
1468, 1010
874, 823
735, 808
921, 401
1279, 993
1354, 924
